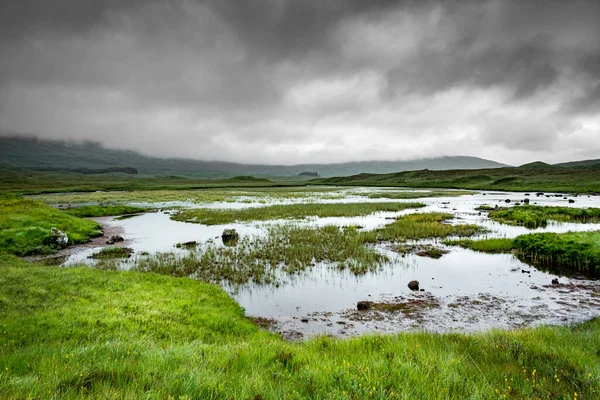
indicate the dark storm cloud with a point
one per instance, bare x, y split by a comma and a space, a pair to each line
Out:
285, 80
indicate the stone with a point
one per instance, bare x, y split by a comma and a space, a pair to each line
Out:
116, 238
571, 201
413, 285
230, 237
555, 281
364, 305
57, 238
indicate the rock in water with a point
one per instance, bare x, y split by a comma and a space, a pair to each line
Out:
413, 285
58, 238
230, 237
363, 305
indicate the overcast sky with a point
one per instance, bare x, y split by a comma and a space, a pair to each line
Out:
293, 81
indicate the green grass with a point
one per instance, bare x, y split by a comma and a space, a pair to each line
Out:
290, 211
562, 253
285, 249
104, 211
209, 195
25, 226
417, 195
565, 252
421, 226
493, 245
290, 250
553, 179
538, 216
84, 333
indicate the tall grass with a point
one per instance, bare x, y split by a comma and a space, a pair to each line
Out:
421, 226
532, 216
286, 250
572, 252
405, 194
81, 333
290, 211
491, 245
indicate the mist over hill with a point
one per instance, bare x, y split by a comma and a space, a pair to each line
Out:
39, 154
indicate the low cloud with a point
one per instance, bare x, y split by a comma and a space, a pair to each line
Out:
282, 81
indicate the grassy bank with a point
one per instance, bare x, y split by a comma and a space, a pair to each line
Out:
104, 211
532, 216
25, 226
552, 179
84, 333
562, 253
570, 252
493, 246
290, 211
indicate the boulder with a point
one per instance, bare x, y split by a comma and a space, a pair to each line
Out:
230, 237
526, 201
364, 305
555, 281
57, 238
413, 285
507, 201
571, 201
115, 239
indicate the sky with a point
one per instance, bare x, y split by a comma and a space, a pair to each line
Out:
301, 81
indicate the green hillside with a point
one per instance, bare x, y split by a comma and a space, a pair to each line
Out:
31, 153
577, 180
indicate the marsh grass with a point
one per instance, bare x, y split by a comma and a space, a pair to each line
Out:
109, 253
572, 252
491, 245
421, 226
290, 211
25, 225
210, 195
418, 195
285, 250
104, 210
531, 216
81, 333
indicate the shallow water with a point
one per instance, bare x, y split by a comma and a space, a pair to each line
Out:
464, 290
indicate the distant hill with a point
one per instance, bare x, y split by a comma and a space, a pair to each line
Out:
32, 153
537, 165
584, 163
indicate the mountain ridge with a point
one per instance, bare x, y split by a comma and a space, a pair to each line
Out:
35, 153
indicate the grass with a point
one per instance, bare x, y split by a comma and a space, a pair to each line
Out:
533, 217
562, 253
109, 253
552, 179
199, 196
418, 195
84, 333
285, 251
572, 252
290, 211
421, 226
25, 226
104, 211
492, 245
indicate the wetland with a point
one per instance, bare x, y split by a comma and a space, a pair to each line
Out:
306, 258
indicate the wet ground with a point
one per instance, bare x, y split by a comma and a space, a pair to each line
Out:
463, 290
